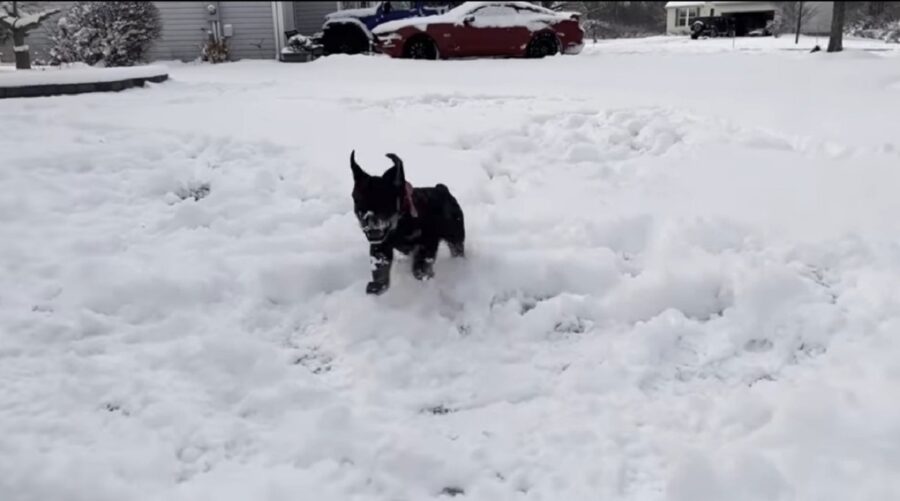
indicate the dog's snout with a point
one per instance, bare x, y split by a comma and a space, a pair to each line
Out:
366, 219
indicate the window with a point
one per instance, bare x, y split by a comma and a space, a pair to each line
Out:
400, 5
493, 11
684, 16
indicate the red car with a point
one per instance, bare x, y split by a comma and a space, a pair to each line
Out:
510, 29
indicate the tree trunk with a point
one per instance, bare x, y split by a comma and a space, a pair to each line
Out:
23, 57
799, 22
836, 41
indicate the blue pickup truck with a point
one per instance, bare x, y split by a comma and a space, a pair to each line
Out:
349, 31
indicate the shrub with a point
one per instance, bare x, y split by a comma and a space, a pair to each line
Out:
214, 51
879, 29
105, 33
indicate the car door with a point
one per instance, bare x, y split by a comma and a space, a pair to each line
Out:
489, 31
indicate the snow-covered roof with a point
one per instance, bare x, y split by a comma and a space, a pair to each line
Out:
672, 5
458, 14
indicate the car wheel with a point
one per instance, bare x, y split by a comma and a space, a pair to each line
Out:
420, 48
344, 39
542, 45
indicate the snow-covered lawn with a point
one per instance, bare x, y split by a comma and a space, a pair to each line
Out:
682, 282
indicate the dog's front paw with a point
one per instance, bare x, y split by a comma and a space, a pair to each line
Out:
425, 272
376, 288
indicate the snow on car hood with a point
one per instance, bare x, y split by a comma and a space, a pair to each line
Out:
354, 13
534, 21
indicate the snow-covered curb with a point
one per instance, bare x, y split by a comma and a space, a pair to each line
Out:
60, 76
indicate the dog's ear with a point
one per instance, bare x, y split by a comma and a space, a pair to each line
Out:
358, 173
396, 173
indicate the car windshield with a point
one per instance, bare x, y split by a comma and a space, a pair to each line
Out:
387, 7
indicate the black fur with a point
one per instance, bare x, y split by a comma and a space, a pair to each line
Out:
389, 223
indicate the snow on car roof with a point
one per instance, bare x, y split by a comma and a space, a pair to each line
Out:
362, 12
458, 14
670, 5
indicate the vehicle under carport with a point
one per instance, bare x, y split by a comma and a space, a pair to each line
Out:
746, 22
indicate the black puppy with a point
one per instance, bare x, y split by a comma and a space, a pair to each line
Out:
394, 215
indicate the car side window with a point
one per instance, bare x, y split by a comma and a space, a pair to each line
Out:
521, 9
388, 7
493, 11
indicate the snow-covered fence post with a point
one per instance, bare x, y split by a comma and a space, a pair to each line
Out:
20, 24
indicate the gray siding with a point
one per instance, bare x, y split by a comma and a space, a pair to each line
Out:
254, 29
184, 26
309, 16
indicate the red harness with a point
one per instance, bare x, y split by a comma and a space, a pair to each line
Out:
409, 206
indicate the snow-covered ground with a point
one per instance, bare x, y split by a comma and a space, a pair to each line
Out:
681, 283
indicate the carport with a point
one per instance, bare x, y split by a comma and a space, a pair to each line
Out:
745, 22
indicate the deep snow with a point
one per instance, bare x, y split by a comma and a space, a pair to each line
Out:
681, 283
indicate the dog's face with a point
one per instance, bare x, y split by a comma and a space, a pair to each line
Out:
377, 200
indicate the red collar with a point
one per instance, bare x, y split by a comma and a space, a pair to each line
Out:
408, 204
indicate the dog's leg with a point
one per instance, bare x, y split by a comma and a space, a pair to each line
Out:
423, 262
456, 237
381, 257
454, 227
457, 249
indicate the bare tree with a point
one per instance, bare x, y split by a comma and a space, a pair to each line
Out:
875, 9
836, 40
20, 23
794, 15
617, 19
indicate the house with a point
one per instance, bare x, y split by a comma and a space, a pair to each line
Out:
252, 30
748, 16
